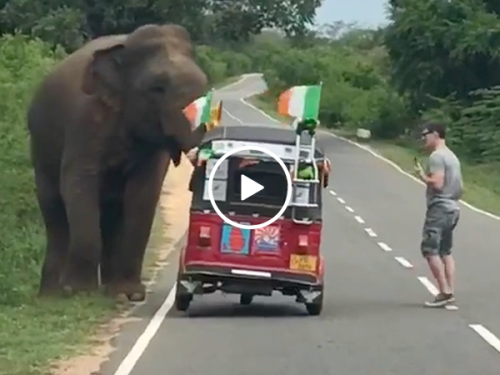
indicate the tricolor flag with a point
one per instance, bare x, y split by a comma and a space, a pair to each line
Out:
198, 112
301, 102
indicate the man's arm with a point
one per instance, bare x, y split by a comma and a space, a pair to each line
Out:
435, 178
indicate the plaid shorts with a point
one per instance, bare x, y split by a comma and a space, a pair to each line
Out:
437, 233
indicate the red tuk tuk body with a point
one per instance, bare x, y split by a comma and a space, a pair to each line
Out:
284, 256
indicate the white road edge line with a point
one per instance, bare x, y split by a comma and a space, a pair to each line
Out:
333, 193
486, 335
140, 346
341, 200
129, 362
370, 232
384, 246
359, 219
400, 170
350, 209
375, 154
403, 262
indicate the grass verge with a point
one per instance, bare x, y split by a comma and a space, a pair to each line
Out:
482, 182
38, 332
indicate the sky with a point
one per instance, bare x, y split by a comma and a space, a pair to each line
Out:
368, 13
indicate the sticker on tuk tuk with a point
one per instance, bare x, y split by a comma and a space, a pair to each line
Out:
221, 172
235, 240
266, 239
219, 191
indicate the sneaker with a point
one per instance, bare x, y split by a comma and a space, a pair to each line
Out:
441, 300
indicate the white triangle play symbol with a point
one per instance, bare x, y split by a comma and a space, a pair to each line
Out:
249, 187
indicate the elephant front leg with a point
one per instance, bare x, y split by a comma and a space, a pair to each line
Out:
54, 217
141, 197
80, 195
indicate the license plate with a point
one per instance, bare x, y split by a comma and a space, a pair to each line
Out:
303, 263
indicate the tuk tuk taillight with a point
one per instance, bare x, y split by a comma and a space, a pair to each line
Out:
204, 238
303, 243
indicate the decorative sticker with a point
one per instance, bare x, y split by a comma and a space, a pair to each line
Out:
235, 240
219, 190
266, 239
221, 173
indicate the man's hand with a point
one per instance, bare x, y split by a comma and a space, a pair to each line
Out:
191, 154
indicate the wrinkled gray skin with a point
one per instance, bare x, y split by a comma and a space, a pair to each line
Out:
104, 125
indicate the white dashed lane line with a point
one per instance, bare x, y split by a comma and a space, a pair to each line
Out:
384, 246
486, 335
400, 260
370, 232
433, 290
359, 219
403, 262
483, 332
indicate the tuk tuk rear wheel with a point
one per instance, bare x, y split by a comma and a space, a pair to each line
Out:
246, 299
182, 301
315, 308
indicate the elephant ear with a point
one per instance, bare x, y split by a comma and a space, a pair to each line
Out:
102, 72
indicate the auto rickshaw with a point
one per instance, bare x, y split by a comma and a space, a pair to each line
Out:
282, 257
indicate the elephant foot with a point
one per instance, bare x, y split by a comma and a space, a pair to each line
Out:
135, 292
73, 285
49, 288
50, 292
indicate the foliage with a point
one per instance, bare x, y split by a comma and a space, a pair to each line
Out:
69, 23
22, 64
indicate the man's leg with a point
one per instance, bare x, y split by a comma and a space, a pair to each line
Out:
445, 251
430, 247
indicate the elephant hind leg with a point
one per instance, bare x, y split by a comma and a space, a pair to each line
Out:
57, 234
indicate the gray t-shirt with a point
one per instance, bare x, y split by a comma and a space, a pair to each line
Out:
443, 159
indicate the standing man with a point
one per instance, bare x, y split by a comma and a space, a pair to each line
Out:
443, 178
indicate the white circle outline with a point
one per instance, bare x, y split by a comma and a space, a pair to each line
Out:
244, 226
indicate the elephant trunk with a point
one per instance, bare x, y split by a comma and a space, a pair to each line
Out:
179, 135
189, 83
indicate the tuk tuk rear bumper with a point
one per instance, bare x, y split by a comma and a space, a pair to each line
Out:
198, 279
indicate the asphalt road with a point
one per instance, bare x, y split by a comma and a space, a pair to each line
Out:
373, 321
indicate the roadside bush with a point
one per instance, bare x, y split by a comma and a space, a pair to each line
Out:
23, 63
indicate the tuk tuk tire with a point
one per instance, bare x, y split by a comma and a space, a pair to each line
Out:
246, 299
182, 301
315, 308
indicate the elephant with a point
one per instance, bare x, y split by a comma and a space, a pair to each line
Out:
104, 125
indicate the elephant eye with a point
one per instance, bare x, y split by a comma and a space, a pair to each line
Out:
158, 89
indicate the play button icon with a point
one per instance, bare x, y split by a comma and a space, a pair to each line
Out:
249, 187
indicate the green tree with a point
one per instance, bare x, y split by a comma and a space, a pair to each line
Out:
439, 48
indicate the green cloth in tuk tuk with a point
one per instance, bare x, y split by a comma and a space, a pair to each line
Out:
306, 170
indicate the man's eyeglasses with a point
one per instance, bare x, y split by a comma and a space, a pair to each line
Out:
425, 132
